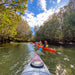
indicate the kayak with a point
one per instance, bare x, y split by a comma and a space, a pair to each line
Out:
39, 46
49, 49
36, 67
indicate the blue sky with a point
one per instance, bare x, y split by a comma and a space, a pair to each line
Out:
36, 6
39, 11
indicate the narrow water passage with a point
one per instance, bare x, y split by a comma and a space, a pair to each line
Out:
15, 57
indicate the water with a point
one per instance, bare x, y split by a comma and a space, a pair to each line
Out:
62, 62
15, 56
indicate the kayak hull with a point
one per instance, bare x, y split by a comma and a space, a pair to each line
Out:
29, 70
49, 49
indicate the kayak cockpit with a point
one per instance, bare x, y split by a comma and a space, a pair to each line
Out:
36, 67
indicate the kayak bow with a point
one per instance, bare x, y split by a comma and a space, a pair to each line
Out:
36, 67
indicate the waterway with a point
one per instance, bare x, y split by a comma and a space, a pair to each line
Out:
15, 56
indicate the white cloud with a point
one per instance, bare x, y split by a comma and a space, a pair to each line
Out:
57, 10
39, 19
43, 4
58, 1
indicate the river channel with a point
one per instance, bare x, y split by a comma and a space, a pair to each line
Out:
14, 57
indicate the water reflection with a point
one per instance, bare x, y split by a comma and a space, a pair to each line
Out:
31, 50
67, 59
72, 66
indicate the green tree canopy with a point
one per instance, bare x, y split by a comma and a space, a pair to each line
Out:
61, 28
16, 5
23, 31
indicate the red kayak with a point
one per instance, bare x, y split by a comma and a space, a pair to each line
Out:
40, 46
49, 49
46, 49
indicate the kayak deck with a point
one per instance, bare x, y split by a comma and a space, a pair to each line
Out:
31, 70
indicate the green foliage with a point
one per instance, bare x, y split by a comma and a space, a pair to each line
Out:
9, 18
16, 5
8, 23
69, 25
59, 28
23, 31
49, 30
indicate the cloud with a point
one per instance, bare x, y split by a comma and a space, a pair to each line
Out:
43, 4
39, 19
58, 1
57, 10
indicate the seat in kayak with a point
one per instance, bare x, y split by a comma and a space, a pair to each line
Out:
37, 64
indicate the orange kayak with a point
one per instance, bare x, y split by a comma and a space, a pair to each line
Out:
49, 49
40, 46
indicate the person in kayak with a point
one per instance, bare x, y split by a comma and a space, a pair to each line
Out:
40, 44
45, 44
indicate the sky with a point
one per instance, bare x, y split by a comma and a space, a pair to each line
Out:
38, 11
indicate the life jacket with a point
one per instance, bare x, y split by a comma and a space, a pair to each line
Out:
46, 46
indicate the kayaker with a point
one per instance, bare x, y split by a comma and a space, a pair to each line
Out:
40, 44
45, 44
33, 42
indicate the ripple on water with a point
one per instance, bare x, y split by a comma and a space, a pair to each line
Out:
15, 65
60, 70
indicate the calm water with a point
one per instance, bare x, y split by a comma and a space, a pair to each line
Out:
14, 57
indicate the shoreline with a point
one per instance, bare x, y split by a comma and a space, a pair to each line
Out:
50, 43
